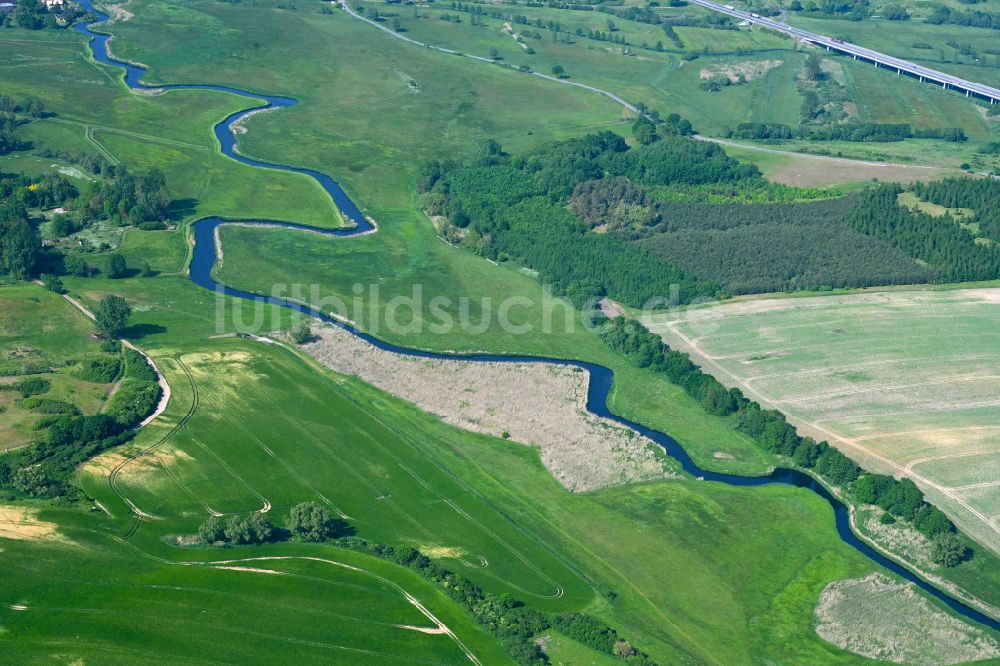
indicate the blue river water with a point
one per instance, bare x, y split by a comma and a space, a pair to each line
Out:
601, 378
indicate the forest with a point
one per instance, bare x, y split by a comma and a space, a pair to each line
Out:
776, 247
950, 250
981, 195
598, 218
514, 208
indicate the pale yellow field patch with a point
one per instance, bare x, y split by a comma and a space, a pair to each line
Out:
22, 524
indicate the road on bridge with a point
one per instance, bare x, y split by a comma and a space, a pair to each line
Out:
880, 59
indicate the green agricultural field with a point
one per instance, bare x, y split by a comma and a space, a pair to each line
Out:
902, 381
484, 507
73, 589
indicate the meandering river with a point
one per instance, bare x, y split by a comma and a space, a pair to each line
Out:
601, 378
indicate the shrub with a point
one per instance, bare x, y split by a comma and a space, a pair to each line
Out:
134, 401
32, 386
302, 334
47, 406
136, 366
98, 369
53, 284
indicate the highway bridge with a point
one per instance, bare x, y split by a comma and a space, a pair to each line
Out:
946, 81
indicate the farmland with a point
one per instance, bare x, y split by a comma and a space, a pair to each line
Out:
901, 380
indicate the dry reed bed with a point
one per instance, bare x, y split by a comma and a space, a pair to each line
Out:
881, 619
535, 404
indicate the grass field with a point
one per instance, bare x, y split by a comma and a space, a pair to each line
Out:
903, 381
38, 328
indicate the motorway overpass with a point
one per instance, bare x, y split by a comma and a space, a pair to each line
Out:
946, 81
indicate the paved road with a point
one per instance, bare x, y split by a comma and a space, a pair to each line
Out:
880, 59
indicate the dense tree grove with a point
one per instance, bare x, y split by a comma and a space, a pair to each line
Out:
982, 195
310, 521
971, 18
771, 430
46, 467
508, 207
950, 250
65, 439
124, 198
33, 15
129, 198
20, 244
514, 625
748, 248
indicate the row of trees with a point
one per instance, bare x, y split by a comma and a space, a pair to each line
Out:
900, 498
772, 432
307, 522
972, 18
513, 624
870, 132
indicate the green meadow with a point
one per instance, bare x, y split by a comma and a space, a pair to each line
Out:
691, 572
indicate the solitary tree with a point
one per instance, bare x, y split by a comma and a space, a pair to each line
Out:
117, 268
557, 70
814, 67
112, 316
949, 550
310, 522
